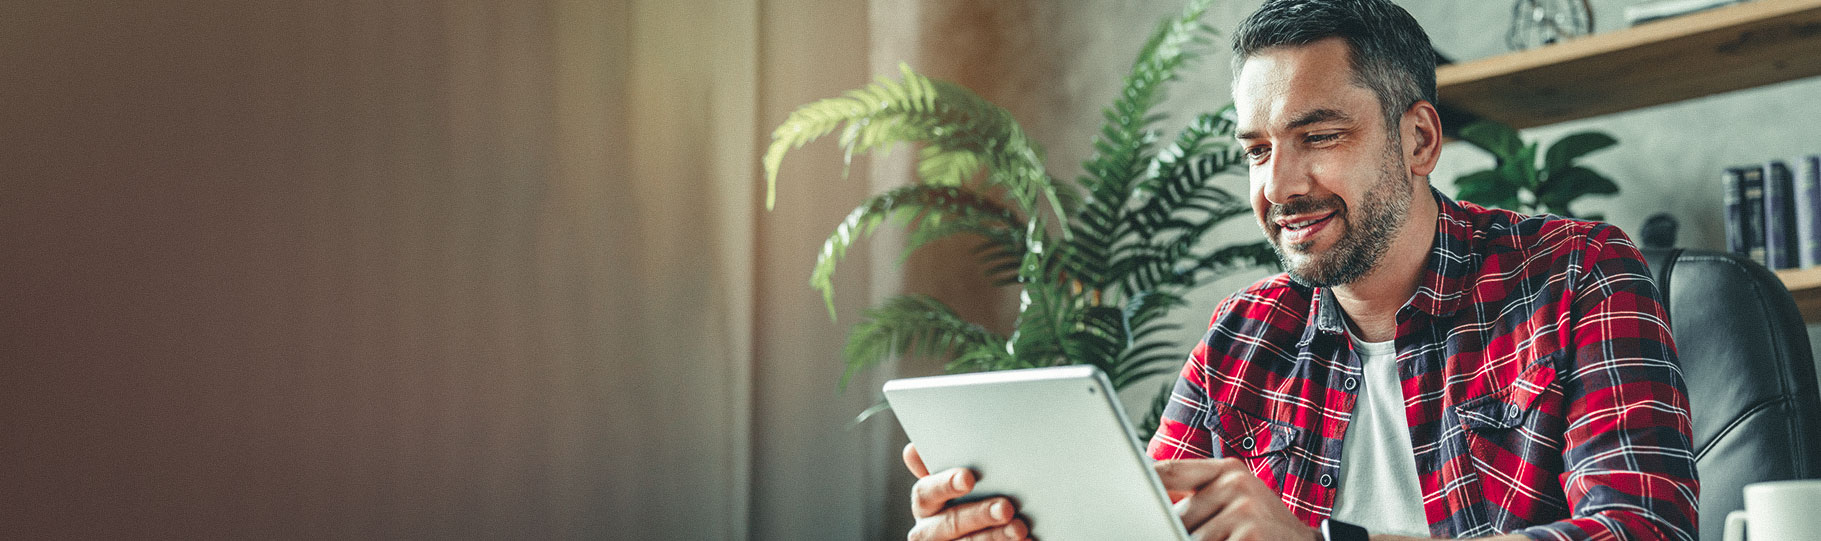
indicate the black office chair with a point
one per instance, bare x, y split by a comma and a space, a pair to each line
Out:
1751, 378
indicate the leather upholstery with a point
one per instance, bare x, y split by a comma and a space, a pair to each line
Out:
1751, 378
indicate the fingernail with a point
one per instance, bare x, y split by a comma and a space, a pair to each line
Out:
999, 512
1011, 532
958, 482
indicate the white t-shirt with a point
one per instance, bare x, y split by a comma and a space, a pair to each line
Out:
1378, 485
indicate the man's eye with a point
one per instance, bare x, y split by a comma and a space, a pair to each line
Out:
1257, 153
1322, 138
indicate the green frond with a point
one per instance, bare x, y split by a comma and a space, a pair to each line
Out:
1001, 238
1129, 377
1098, 337
1144, 309
947, 167
1184, 171
1146, 267
1001, 259
1236, 257
944, 208
963, 132
1124, 146
915, 325
878, 407
982, 358
1046, 320
1099, 272
1121, 148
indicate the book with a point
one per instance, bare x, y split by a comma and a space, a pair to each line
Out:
1733, 195
1637, 14
1779, 216
1807, 170
1751, 211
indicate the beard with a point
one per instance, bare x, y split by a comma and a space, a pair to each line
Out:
1365, 238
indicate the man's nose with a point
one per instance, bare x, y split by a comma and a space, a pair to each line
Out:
1285, 178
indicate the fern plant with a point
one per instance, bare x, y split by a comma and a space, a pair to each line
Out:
1100, 261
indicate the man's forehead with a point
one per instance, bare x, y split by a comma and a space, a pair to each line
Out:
1286, 87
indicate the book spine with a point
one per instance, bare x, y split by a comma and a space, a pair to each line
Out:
1732, 183
1779, 216
1808, 210
1662, 9
1751, 211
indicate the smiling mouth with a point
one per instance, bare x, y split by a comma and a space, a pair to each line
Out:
1304, 224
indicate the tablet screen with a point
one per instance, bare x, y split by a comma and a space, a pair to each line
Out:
1055, 440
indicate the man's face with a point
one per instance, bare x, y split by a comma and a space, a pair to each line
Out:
1329, 184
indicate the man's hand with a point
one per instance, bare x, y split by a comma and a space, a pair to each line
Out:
991, 518
1223, 500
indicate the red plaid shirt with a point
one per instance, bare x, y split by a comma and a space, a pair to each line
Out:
1539, 376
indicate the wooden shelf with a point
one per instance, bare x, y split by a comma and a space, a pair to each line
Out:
1731, 48
1748, 45
1805, 286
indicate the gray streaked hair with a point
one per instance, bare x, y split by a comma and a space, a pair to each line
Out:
1390, 53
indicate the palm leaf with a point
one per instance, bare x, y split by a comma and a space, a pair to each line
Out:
1045, 324
1098, 282
914, 324
964, 129
1234, 258
941, 208
1123, 148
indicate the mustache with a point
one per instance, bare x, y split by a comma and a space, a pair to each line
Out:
1305, 205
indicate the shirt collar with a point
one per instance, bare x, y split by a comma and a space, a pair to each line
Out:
1450, 261
1444, 275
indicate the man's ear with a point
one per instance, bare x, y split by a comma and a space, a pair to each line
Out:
1422, 136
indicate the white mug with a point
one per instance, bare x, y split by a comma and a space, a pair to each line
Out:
1778, 511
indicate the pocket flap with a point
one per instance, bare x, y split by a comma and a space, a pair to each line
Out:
1248, 435
1506, 407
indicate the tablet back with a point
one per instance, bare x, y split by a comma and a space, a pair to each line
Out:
1053, 439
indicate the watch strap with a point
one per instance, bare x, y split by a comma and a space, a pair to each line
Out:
1334, 530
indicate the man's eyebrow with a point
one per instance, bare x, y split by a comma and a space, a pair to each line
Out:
1317, 116
1312, 116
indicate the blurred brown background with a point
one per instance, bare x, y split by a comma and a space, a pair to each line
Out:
416, 269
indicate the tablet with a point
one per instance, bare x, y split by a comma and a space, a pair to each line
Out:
1055, 440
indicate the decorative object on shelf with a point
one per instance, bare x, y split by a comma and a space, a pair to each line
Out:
1637, 14
1659, 231
1517, 183
1099, 270
1535, 23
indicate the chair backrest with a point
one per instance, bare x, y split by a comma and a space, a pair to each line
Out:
1751, 378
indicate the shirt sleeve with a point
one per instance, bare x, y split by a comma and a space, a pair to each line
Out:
1182, 431
1629, 468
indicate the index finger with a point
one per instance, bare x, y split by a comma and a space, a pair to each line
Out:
1189, 475
932, 493
914, 461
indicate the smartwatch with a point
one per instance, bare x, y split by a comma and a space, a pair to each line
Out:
1334, 530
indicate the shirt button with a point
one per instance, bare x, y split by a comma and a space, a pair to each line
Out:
1327, 480
1246, 444
1351, 383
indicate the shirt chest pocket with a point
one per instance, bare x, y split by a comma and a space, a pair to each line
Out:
1265, 445
1510, 405
1514, 436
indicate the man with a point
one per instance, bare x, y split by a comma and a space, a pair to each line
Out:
1425, 367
